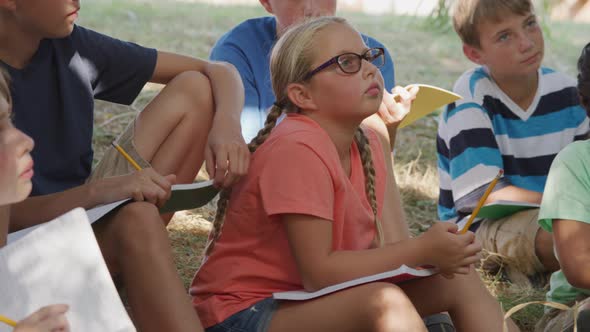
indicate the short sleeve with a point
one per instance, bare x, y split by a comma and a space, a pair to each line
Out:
567, 192
231, 53
253, 114
120, 69
296, 181
474, 158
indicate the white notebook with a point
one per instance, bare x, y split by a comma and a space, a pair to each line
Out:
401, 274
60, 262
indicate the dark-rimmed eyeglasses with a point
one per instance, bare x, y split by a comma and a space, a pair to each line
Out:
351, 63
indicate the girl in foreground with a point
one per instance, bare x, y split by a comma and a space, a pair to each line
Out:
310, 214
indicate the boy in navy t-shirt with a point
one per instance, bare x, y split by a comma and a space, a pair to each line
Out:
57, 70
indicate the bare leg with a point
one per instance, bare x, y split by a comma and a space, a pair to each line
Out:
379, 307
134, 243
469, 303
171, 132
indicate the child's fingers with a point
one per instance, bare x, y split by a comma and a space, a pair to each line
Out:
414, 91
462, 270
232, 172
221, 166
473, 248
447, 226
209, 162
161, 181
55, 323
47, 311
468, 261
384, 113
466, 238
137, 195
245, 157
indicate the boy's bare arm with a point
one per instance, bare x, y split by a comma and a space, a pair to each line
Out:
145, 185
226, 146
514, 193
573, 250
39, 209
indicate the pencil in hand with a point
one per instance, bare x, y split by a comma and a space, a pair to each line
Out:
482, 200
7, 321
126, 156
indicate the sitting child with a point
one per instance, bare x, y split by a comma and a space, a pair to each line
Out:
565, 213
15, 185
515, 115
310, 213
58, 69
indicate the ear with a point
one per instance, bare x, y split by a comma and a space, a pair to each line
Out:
300, 95
266, 4
473, 53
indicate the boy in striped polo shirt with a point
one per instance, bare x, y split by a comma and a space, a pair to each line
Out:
516, 116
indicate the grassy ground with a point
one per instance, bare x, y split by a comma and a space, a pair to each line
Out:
421, 53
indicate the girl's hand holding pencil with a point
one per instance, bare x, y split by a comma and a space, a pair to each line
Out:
450, 252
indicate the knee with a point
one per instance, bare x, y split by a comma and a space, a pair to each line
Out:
196, 87
140, 230
390, 309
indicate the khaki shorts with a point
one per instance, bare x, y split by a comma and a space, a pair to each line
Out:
556, 320
510, 245
113, 163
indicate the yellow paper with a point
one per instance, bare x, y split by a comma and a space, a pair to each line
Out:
428, 100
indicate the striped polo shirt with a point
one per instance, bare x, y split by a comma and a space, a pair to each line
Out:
486, 131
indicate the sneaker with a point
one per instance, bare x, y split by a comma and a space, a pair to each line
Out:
439, 323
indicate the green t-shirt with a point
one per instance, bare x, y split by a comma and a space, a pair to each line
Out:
567, 196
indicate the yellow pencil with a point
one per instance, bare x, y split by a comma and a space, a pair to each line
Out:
7, 321
481, 202
127, 156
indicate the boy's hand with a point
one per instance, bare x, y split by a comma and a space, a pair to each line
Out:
396, 105
47, 319
143, 185
226, 156
452, 253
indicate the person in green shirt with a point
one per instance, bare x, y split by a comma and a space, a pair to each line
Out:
565, 211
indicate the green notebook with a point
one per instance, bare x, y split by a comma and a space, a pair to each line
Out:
501, 209
189, 196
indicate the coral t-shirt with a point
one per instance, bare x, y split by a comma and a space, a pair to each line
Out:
296, 171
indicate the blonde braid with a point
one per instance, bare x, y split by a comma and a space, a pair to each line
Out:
224, 195
365, 150
290, 62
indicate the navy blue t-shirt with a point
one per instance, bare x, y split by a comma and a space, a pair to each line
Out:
53, 100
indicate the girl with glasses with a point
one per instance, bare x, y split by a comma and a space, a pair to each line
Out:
310, 212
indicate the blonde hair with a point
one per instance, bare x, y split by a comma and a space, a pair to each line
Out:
468, 14
290, 61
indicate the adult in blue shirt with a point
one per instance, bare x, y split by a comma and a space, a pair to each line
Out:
248, 45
